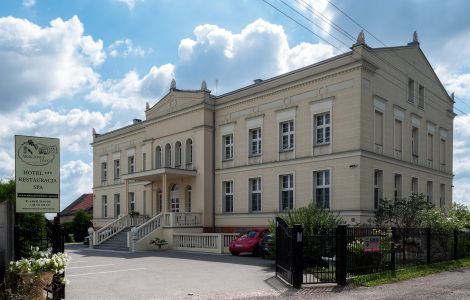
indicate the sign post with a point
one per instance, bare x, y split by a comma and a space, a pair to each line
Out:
37, 173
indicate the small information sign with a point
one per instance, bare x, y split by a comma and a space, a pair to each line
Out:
37, 174
372, 244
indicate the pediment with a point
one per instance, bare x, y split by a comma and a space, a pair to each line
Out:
174, 101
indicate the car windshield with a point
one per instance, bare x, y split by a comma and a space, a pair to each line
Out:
249, 234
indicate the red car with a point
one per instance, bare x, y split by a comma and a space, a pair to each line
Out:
248, 242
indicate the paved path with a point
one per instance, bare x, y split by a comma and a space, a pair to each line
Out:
178, 275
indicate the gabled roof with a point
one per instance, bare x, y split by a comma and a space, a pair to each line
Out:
84, 202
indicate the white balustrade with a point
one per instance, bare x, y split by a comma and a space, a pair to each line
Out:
182, 219
203, 242
110, 230
149, 226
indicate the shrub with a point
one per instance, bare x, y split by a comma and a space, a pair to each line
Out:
158, 242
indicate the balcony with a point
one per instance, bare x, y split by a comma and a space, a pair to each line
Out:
156, 174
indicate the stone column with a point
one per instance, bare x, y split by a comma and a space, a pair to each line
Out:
164, 193
126, 196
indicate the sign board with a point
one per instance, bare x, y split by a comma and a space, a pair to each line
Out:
371, 244
37, 174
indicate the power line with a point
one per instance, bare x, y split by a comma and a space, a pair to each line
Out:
344, 32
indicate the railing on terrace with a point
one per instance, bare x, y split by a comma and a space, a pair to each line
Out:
203, 242
110, 230
182, 219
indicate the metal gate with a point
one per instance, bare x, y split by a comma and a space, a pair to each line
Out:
319, 257
284, 261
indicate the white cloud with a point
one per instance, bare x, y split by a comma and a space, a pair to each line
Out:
131, 92
319, 12
76, 179
29, 3
125, 47
260, 50
457, 82
130, 3
45, 63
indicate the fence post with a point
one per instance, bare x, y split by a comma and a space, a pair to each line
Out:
428, 245
297, 253
393, 244
456, 243
341, 248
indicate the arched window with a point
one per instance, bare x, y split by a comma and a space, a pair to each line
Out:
168, 156
189, 152
178, 154
158, 157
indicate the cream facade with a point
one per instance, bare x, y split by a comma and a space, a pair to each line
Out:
343, 133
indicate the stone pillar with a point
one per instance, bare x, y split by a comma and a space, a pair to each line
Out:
126, 196
91, 240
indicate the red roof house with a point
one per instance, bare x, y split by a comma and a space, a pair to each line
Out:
84, 202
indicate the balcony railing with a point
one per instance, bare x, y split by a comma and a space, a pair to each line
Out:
182, 219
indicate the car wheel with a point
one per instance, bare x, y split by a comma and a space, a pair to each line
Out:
235, 253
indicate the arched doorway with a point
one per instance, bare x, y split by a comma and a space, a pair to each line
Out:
174, 198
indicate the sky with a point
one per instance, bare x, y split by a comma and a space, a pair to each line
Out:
69, 66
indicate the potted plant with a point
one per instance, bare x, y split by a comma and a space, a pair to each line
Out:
158, 242
38, 270
133, 214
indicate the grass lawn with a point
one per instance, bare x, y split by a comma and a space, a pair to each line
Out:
410, 272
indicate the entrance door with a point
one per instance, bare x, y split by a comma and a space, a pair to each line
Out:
174, 199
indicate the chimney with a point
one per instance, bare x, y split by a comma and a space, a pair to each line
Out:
256, 81
136, 121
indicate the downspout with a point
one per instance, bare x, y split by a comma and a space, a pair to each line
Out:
213, 169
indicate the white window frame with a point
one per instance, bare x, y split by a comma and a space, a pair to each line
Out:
415, 142
104, 201
104, 171
144, 161
117, 168
324, 128
378, 188
227, 196
117, 203
381, 142
255, 189
397, 186
131, 197
412, 185
429, 191
325, 185
131, 164
255, 143
442, 195
228, 150
290, 134
289, 188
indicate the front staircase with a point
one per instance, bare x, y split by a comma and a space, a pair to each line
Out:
117, 242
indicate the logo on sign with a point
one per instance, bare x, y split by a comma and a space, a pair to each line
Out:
36, 154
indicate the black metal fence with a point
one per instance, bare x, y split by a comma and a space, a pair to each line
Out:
334, 255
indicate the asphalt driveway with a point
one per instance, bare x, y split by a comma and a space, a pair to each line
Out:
95, 274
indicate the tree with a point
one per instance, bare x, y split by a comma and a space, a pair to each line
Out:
80, 224
461, 214
7, 190
403, 213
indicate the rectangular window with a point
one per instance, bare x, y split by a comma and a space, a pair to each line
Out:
104, 200
398, 135
255, 141
287, 191
442, 152
117, 168
420, 96
144, 161
255, 194
430, 147
411, 90
414, 142
131, 201
378, 128
378, 188
414, 185
429, 191
104, 171
322, 188
144, 196
397, 187
130, 165
228, 146
227, 187
287, 135
322, 128
117, 205
442, 196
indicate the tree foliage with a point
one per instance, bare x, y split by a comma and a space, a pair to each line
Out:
313, 219
80, 224
403, 213
7, 190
